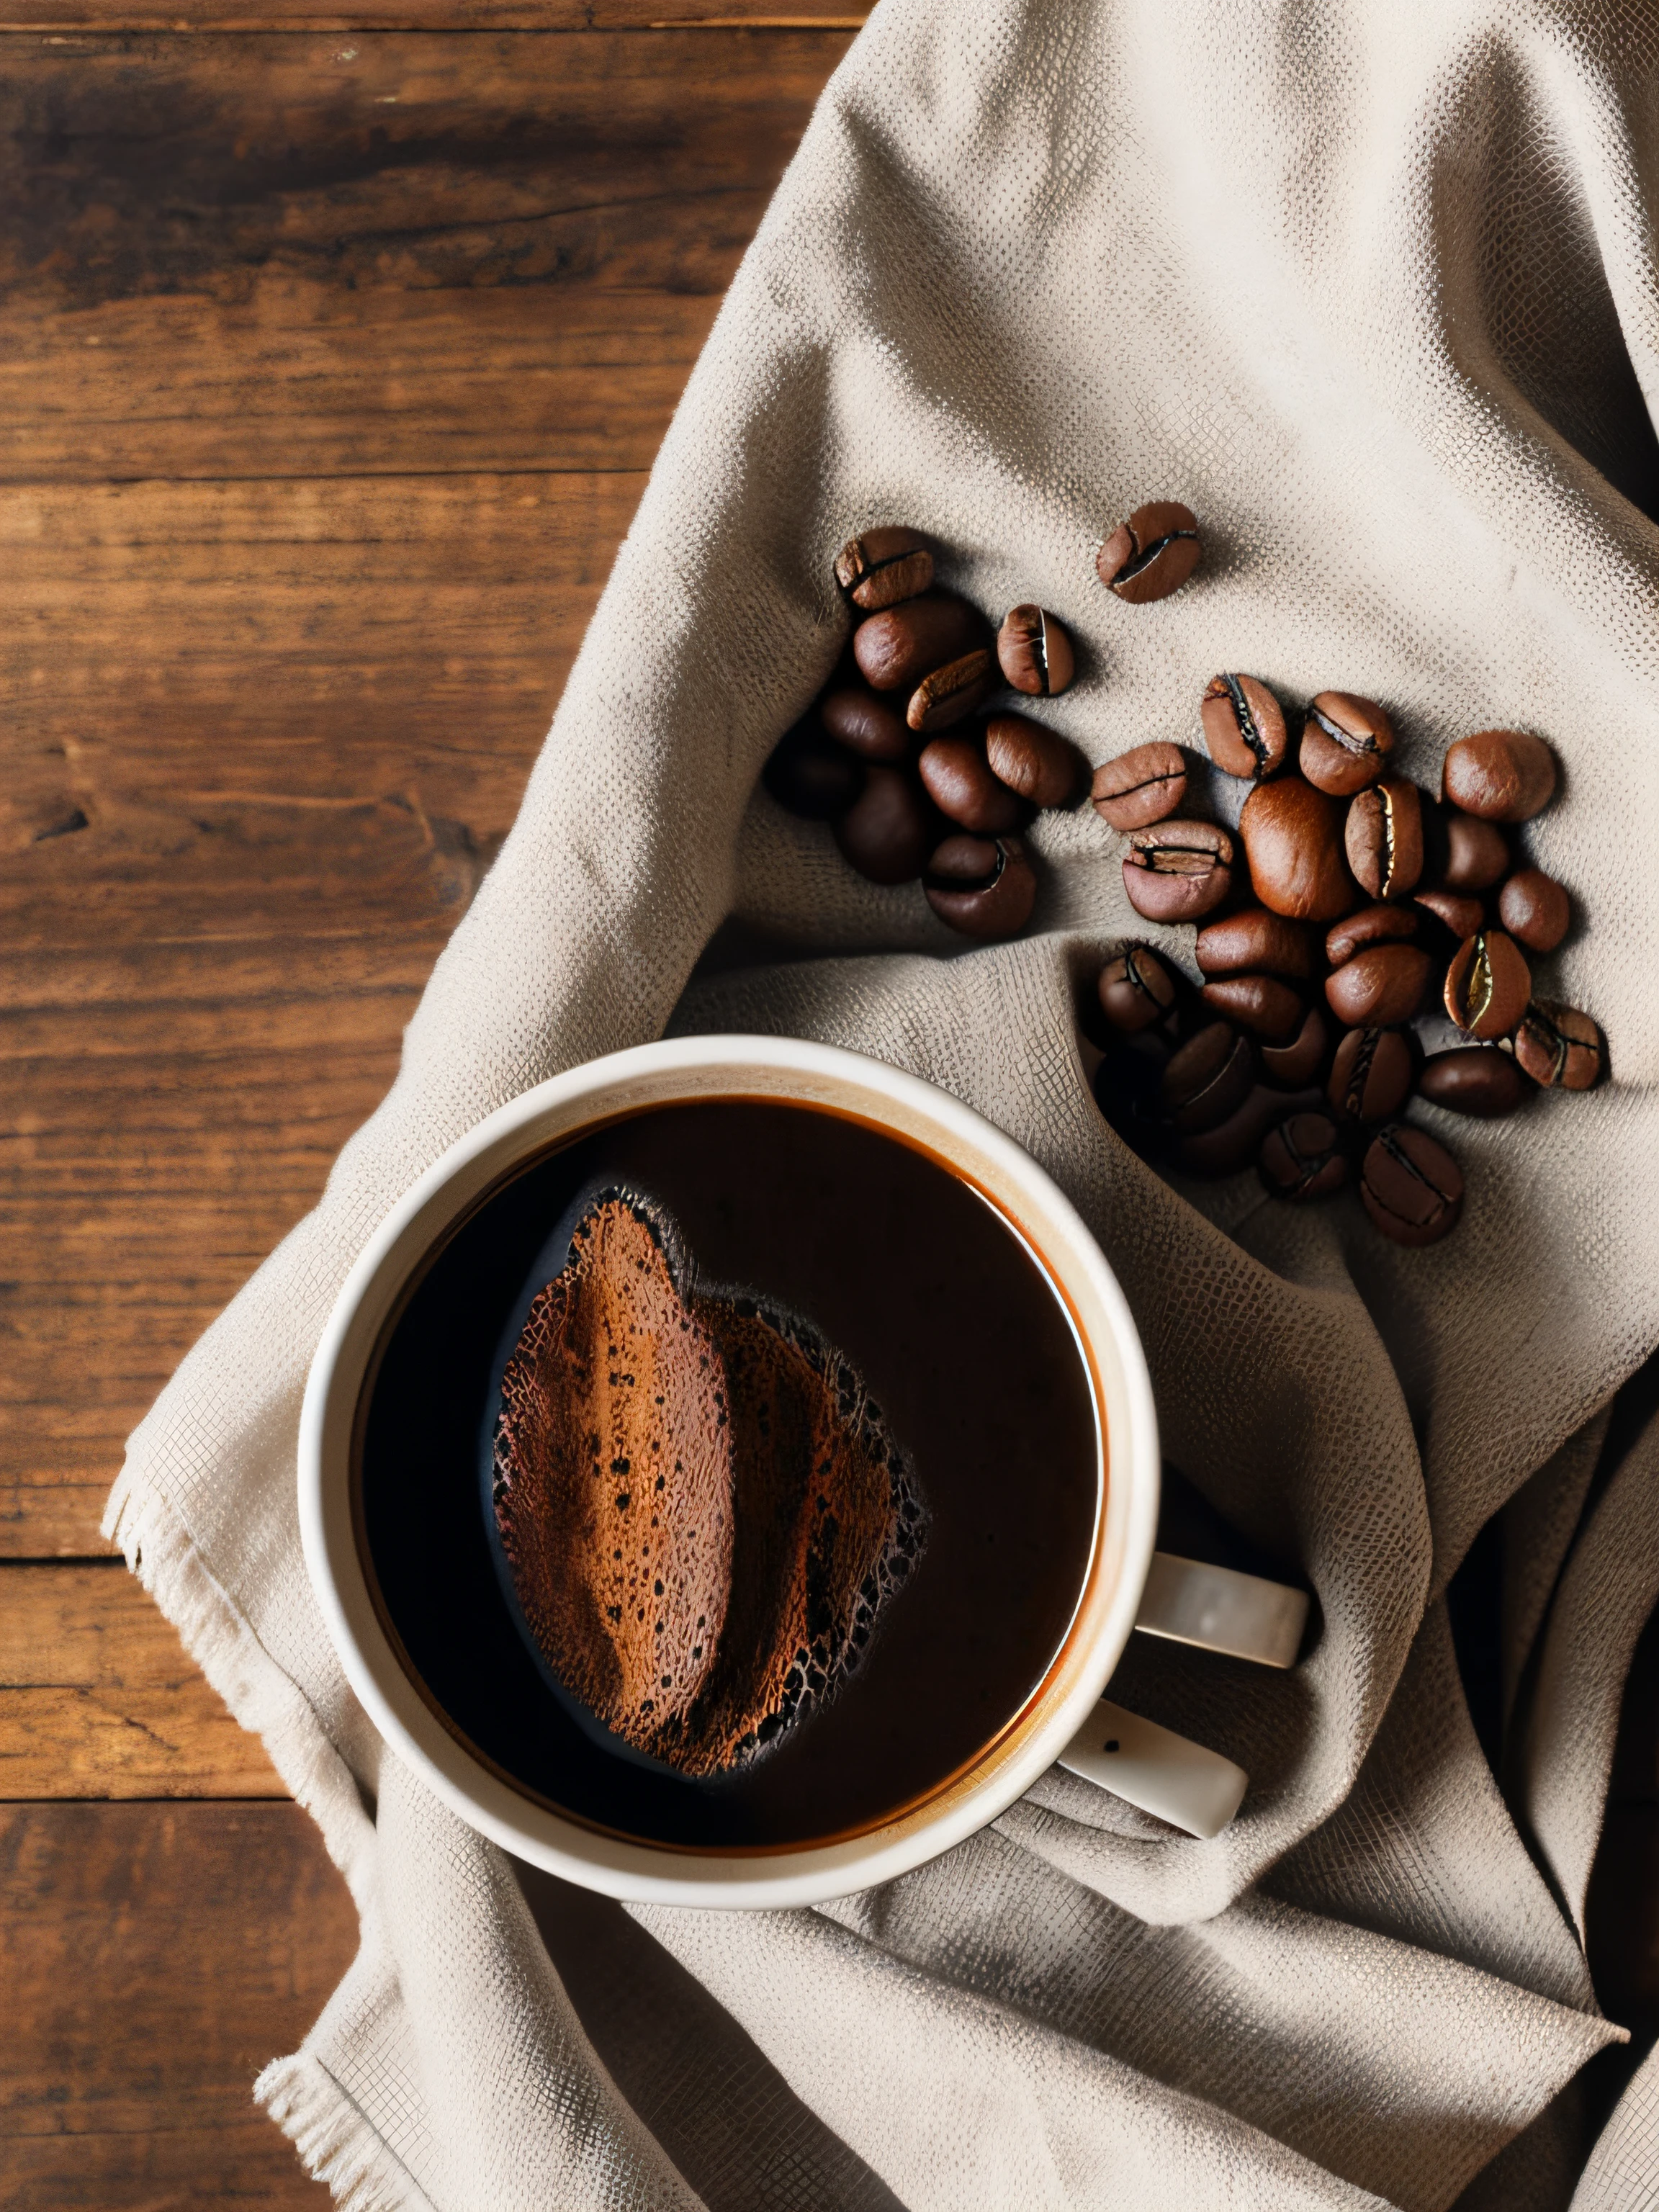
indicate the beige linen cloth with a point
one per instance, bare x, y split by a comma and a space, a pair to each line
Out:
1371, 285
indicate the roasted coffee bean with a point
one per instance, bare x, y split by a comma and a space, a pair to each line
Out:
1243, 726
1234, 1144
1177, 871
1346, 741
1255, 943
884, 567
1046, 769
1502, 776
1136, 990
1487, 985
1412, 1188
1034, 652
1302, 1159
1292, 838
1128, 1090
1460, 913
1151, 554
810, 775
896, 649
984, 887
951, 693
887, 831
1460, 854
866, 724
1137, 788
1382, 985
1289, 1067
1371, 1076
955, 776
1474, 1078
1372, 925
1533, 906
1558, 1047
1260, 1004
1208, 1077
1383, 838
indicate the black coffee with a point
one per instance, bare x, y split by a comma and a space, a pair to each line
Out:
962, 1340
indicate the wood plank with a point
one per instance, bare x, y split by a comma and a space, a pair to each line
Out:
154, 1958
98, 1698
104, 16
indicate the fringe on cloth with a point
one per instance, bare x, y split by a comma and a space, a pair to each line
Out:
336, 2144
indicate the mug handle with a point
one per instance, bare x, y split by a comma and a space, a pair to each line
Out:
1217, 1609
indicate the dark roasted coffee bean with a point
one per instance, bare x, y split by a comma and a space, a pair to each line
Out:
1372, 925
1379, 987
887, 831
1502, 776
951, 693
1460, 854
1534, 908
1136, 990
1372, 1074
1034, 652
1177, 871
1460, 913
955, 776
1302, 1159
1292, 838
1345, 742
1128, 1090
1255, 943
896, 649
1383, 838
984, 887
866, 724
1046, 769
1234, 1144
1260, 1004
1475, 1078
1411, 1187
1243, 726
1291, 1067
884, 567
1151, 554
1558, 1046
1140, 787
1208, 1077
809, 774
1487, 985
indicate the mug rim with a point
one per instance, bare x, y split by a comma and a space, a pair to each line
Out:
787, 1070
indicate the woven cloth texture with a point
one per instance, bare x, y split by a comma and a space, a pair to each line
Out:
1372, 288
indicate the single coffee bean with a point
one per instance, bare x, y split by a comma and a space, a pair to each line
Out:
1487, 985
1412, 1188
951, 693
1372, 925
1292, 838
887, 831
1208, 1077
1255, 943
1243, 726
1302, 1159
1475, 1078
1379, 987
1234, 1144
1458, 912
1046, 769
1260, 1004
1371, 1076
984, 887
1502, 776
1383, 838
1140, 787
810, 775
1034, 652
1558, 1047
1460, 854
1289, 1067
1346, 741
884, 567
1177, 871
1128, 1090
956, 778
896, 649
1136, 990
1151, 554
866, 724
1533, 906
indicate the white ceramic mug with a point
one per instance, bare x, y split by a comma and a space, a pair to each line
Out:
1126, 1585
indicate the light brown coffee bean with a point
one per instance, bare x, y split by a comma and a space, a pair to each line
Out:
1460, 912
1255, 943
984, 887
1292, 838
1144, 786
1136, 991
1243, 726
1302, 1159
1259, 1004
1372, 1075
1534, 908
1372, 925
1177, 871
1460, 854
950, 694
1560, 1047
1476, 1080
1346, 741
1208, 1077
1379, 987
1046, 769
955, 776
1487, 985
1411, 1187
887, 830
1151, 554
865, 722
895, 649
1289, 1067
884, 567
1034, 652
1232, 1144
1383, 838
1502, 776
